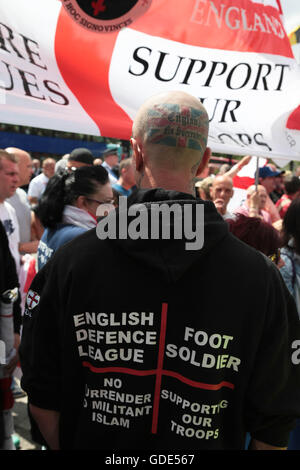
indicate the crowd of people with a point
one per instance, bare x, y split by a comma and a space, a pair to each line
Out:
48, 214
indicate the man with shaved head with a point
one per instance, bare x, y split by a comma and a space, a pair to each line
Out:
28, 243
195, 350
38, 184
221, 191
24, 163
169, 142
255, 204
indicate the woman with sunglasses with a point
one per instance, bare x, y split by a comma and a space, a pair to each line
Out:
68, 206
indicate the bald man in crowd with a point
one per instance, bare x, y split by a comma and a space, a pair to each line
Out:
182, 357
221, 191
254, 206
28, 240
38, 184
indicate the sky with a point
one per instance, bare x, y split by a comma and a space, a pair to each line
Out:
291, 14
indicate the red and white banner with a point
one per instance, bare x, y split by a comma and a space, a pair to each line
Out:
69, 65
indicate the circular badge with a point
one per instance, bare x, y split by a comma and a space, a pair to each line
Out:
105, 16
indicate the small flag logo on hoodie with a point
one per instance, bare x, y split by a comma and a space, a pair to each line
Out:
32, 299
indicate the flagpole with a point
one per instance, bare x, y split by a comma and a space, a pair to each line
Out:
256, 173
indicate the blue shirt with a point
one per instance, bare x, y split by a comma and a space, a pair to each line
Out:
121, 190
53, 238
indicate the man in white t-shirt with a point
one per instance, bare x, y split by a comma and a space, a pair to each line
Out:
9, 181
19, 201
38, 184
221, 191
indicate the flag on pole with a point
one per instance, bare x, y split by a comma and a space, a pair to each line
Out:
242, 181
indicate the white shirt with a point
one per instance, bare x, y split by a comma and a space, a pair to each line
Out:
111, 176
37, 185
228, 215
10, 222
21, 205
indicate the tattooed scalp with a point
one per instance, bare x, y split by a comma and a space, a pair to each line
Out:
176, 125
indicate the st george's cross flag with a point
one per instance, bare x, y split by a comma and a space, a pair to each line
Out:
86, 66
243, 179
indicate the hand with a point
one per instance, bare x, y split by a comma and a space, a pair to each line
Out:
28, 247
238, 166
254, 200
244, 161
10, 367
259, 445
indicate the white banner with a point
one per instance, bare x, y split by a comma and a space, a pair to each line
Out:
69, 65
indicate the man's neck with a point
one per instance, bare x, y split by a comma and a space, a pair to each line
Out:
123, 183
151, 181
109, 164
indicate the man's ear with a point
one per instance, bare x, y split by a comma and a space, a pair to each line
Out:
137, 155
204, 161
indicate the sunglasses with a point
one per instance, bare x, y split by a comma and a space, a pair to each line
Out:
111, 201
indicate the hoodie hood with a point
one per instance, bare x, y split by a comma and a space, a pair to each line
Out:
168, 231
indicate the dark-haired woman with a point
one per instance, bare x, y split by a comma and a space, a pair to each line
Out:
291, 250
259, 234
291, 274
262, 236
68, 207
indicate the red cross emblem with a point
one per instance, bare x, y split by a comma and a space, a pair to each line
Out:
98, 6
32, 299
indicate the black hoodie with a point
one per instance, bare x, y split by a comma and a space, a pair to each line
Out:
9, 276
144, 344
